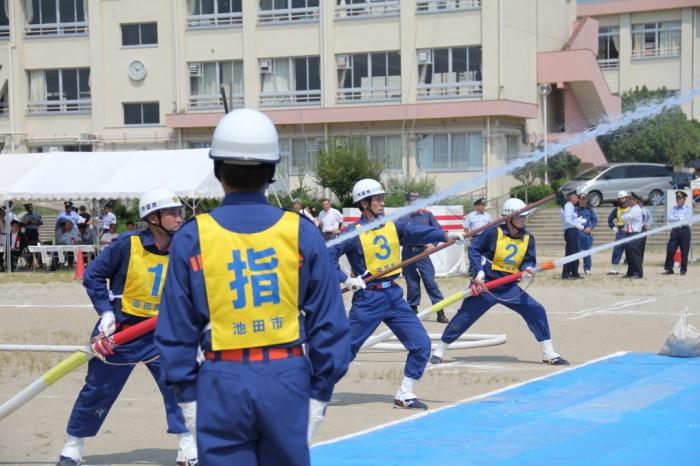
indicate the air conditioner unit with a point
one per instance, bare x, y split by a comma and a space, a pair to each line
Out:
425, 56
195, 69
343, 61
266, 65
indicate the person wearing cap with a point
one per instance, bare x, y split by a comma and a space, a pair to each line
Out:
499, 252
67, 214
330, 219
422, 269
108, 218
124, 284
616, 224
32, 221
680, 236
478, 217
585, 236
571, 224
264, 312
633, 221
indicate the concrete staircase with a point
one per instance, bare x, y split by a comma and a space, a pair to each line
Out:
46, 231
545, 224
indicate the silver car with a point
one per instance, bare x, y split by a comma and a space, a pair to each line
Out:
602, 183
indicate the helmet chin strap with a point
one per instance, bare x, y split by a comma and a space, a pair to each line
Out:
512, 224
165, 230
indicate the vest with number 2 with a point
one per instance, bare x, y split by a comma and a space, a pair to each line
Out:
381, 248
145, 277
252, 283
509, 253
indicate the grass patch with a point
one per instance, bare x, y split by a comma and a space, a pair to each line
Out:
38, 277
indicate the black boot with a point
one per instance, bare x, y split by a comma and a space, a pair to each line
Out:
442, 318
415, 309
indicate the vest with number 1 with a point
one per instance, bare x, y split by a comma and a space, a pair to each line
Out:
381, 248
509, 253
145, 277
252, 283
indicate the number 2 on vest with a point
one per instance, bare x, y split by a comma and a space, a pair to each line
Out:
513, 251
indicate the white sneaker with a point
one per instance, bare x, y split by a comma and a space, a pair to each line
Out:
587, 272
613, 271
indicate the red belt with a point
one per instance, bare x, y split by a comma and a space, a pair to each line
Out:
380, 285
254, 354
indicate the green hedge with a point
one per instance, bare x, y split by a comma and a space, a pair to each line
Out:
534, 192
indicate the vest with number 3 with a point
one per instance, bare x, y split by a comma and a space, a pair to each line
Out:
145, 277
509, 253
381, 248
252, 283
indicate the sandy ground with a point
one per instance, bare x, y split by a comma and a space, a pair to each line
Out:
590, 318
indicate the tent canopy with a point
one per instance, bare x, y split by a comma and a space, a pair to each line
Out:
106, 175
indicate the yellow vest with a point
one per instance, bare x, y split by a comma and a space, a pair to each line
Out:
381, 248
252, 283
620, 212
145, 277
509, 253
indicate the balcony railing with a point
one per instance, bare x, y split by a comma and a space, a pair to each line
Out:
429, 6
57, 29
358, 94
4, 31
649, 52
214, 101
354, 10
271, 99
449, 90
214, 20
609, 63
284, 15
59, 106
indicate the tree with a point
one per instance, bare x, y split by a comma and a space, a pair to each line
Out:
397, 189
668, 138
339, 168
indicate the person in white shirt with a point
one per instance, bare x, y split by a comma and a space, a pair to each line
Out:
110, 236
571, 224
477, 218
108, 218
331, 220
633, 221
680, 236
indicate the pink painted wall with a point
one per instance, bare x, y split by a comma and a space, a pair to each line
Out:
585, 36
632, 6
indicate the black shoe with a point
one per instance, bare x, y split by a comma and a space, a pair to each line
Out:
441, 318
558, 361
435, 359
683, 272
66, 461
415, 309
577, 277
667, 272
413, 403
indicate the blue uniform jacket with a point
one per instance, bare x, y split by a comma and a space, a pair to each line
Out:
484, 246
408, 235
420, 217
184, 309
612, 219
589, 215
111, 264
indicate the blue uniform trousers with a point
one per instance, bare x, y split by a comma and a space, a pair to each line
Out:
104, 382
585, 241
618, 250
372, 307
253, 413
413, 273
514, 297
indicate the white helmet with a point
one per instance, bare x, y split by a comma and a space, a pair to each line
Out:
246, 137
365, 188
513, 205
622, 194
157, 199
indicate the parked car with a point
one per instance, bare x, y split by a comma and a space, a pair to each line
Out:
602, 183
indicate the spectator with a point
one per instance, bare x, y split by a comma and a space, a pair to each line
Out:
633, 225
296, 207
330, 219
18, 243
107, 238
108, 219
32, 221
616, 224
86, 234
585, 236
130, 226
67, 234
68, 214
87, 218
3, 214
570, 224
478, 217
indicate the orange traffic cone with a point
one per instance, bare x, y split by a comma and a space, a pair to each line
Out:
79, 265
677, 258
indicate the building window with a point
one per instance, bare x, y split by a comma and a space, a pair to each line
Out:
4, 20
207, 78
512, 147
360, 8
449, 72
429, 6
281, 11
608, 46
135, 35
290, 81
298, 155
64, 90
214, 13
55, 17
450, 152
141, 113
369, 76
199, 144
662, 39
386, 151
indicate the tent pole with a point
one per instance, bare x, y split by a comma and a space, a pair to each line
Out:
8, 236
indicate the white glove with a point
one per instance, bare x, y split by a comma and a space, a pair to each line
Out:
355, 283
317, 411
528, 273
581, 220
457, 236
579, 227
108, 324
480, 277
477, 283
615, 229
189, 412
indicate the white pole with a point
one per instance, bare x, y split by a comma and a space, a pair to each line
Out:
546, 178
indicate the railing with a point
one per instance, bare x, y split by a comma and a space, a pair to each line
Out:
60, 106
214, 20
290, 98
609, 63
463, 89
359, 94
387, 8
57, 29
656, 52
284, 15
4, 31
428, 6
200, 102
